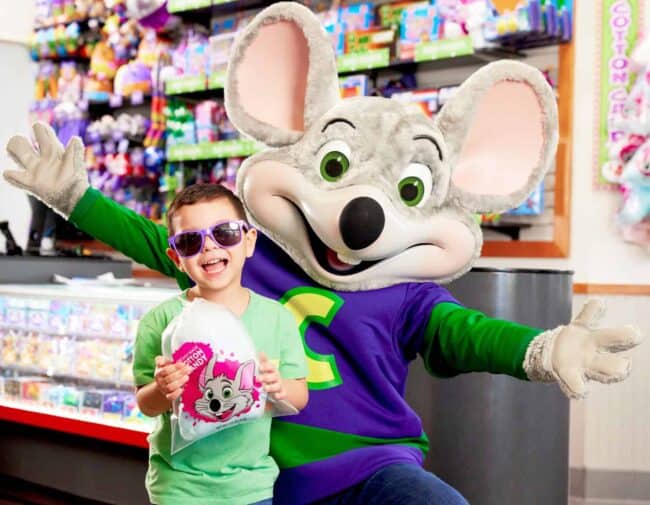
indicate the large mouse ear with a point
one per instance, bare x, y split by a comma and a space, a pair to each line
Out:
501, 132
282, 75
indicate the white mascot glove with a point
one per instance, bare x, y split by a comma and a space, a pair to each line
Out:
54, 175
578, 352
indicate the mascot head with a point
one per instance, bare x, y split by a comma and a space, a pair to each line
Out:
365, 193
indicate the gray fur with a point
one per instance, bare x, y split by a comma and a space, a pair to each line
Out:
381, 146
456, 115
322, 83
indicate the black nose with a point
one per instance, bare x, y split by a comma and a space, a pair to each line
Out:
361, 222
215, 405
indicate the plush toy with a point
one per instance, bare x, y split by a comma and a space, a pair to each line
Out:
363, 206
149, 13
635, 180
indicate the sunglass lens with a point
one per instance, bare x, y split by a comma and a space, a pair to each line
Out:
227, 234
188, 244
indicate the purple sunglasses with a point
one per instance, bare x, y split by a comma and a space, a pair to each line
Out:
226, 234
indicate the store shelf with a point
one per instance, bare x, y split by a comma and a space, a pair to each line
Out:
35, 370
200, 11
445, 53
176, 6
82, 336
74, 423
212, 150
194, 83
89, 293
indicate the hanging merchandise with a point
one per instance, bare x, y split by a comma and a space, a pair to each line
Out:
530, 23
628, 149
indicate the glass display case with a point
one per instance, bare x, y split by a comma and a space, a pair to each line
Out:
65, 358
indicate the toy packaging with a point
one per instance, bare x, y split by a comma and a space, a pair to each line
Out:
390, 14
533, 206
219, 51
424, 100
360, 41
419, 24
356, 17
354, 85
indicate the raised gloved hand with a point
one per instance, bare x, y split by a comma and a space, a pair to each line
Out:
578, 352
54, 175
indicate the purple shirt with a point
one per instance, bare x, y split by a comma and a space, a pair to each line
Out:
372, 336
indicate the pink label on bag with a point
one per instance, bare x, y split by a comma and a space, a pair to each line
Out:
218, 389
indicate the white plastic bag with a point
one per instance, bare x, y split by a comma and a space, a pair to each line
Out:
223, 389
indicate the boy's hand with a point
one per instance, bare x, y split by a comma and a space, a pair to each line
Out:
270, 378
170, 377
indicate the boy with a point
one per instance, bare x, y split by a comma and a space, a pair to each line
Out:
210, 241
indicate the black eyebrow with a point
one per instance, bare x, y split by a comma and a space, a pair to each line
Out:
432, 140
337, 120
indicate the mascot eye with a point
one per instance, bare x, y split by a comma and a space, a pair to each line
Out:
209, 394
415, 185
334, 160
226, 392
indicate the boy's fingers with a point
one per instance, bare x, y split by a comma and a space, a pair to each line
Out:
162, 361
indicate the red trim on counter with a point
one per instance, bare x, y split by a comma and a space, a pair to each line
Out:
79, 427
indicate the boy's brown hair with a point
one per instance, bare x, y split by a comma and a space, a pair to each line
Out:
203, 193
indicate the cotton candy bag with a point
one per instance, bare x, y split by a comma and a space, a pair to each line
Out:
223, 389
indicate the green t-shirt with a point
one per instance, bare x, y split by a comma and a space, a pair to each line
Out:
231, 466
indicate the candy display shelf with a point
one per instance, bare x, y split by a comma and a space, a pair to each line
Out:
65, 356
134, 434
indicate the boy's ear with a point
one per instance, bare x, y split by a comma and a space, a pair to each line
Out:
250, 239
172, 255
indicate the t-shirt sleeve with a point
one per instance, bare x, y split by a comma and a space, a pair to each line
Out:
293, 364
147, 347
410, 327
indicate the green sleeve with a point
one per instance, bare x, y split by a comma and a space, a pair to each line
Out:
147, 347
461, 340
293, 364
126, 231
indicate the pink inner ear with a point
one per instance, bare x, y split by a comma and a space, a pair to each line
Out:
247, 376
272, 76
505, 141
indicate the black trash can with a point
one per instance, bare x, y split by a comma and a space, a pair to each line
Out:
499, 440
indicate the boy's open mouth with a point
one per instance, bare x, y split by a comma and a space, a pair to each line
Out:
215, 266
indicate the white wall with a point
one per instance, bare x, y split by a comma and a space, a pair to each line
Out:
16, 92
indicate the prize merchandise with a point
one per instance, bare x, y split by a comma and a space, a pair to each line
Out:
380, 285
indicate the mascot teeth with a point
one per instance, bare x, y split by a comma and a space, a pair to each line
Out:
347, 260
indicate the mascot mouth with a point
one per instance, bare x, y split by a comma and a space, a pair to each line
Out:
327, 258
227, 414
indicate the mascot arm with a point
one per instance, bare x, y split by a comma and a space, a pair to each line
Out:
133, 235
459, 340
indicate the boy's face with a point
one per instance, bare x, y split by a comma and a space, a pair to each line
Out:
214, 268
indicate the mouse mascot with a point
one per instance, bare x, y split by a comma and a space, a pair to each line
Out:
365, 207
